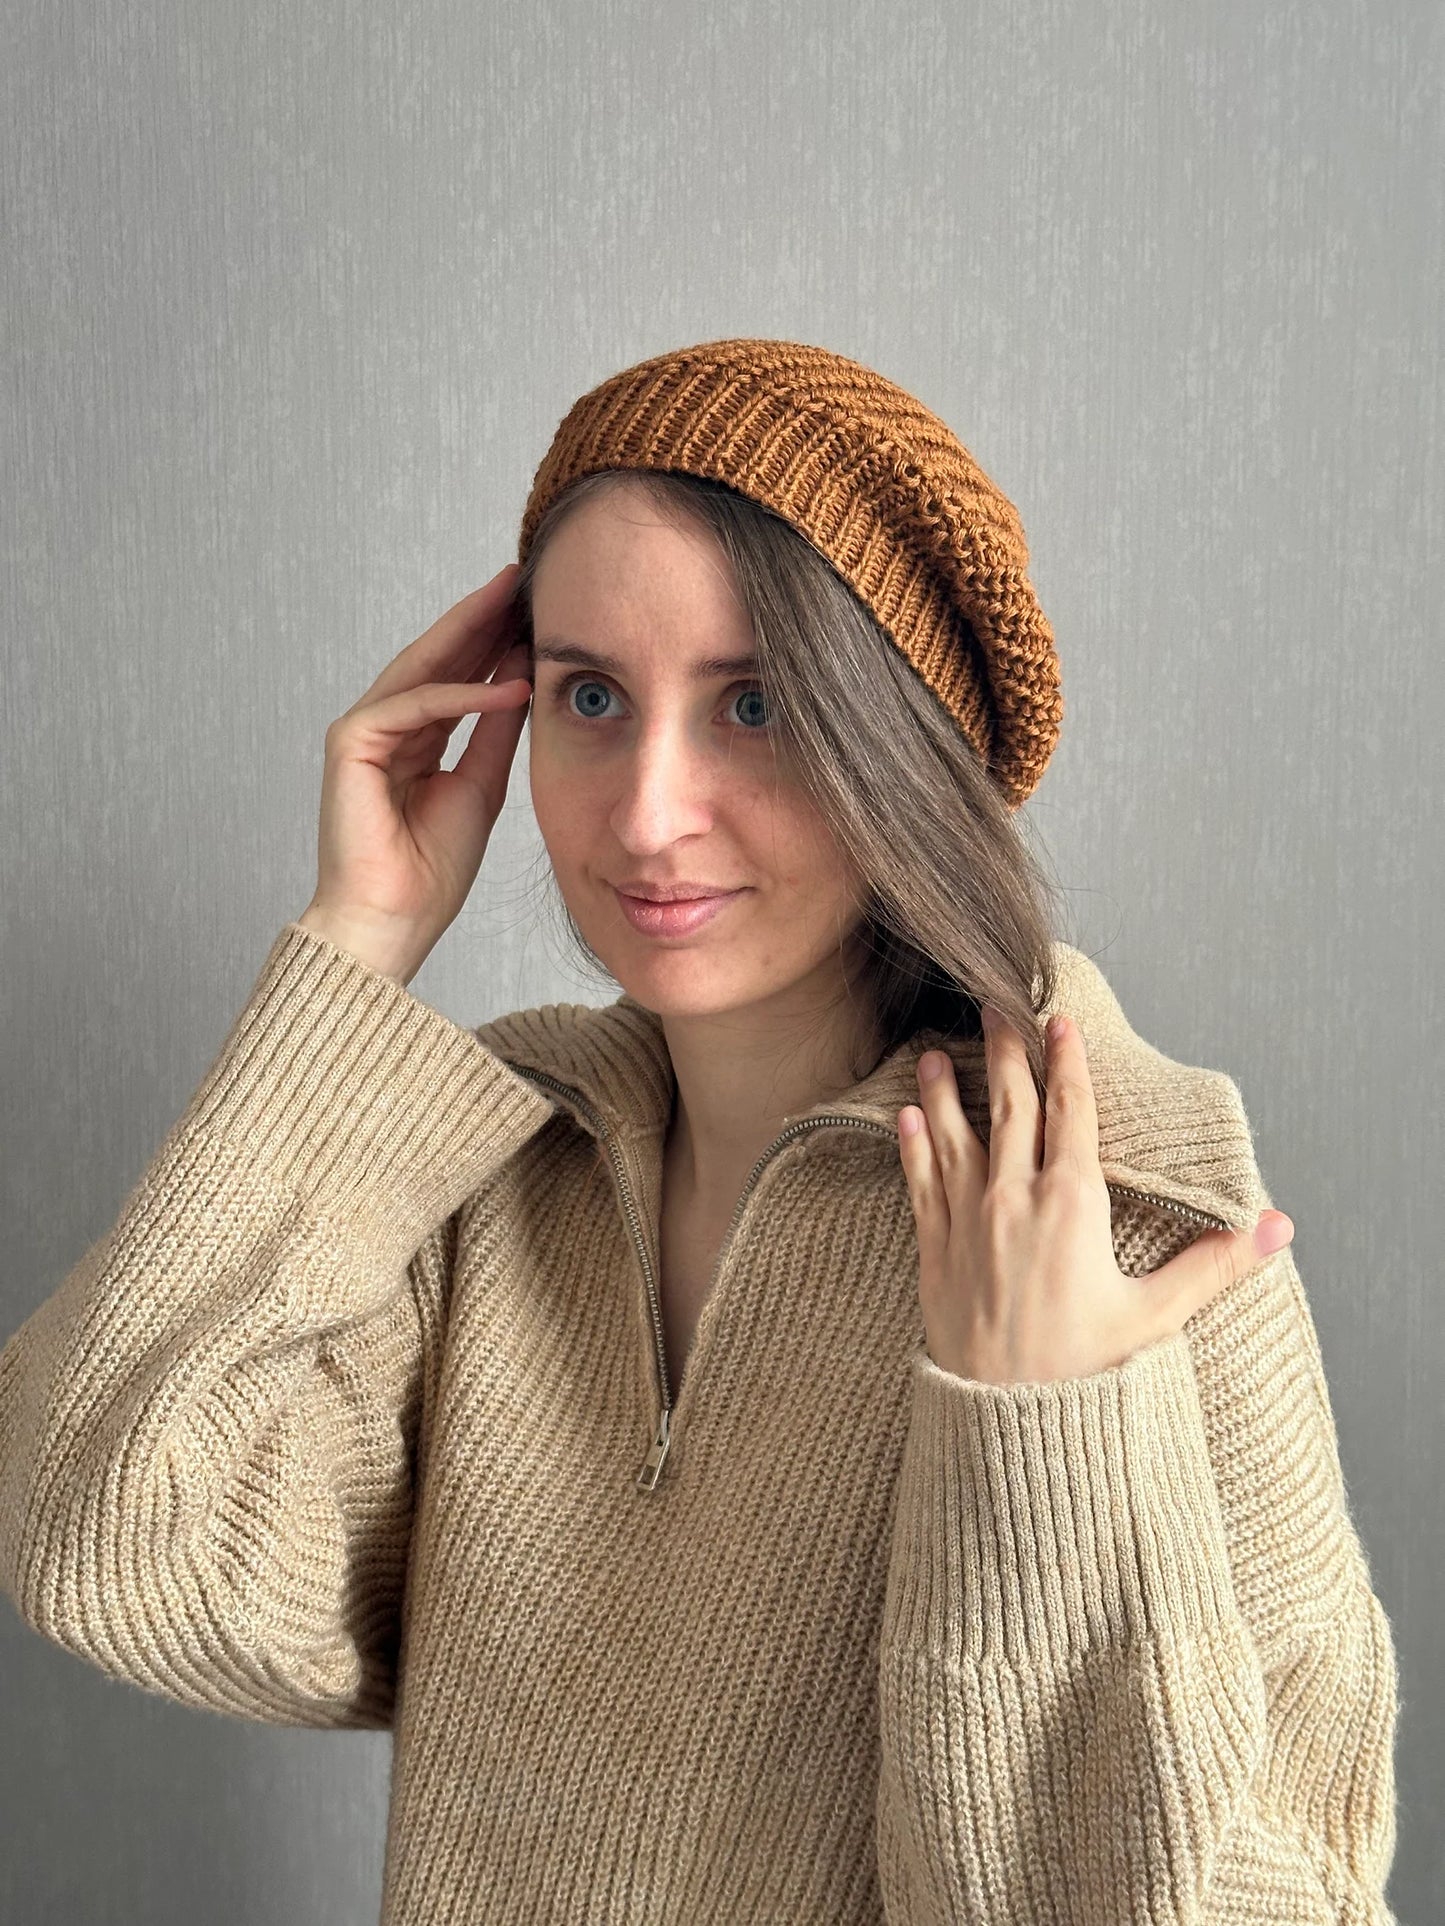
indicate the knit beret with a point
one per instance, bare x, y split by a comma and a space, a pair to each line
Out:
883, 490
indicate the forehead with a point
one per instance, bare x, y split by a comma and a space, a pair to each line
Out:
634, 568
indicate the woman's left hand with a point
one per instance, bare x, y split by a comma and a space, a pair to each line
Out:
1017, 1277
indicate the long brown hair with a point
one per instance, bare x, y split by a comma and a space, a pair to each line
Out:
960, 910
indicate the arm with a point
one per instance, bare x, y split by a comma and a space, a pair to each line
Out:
208, 1431
1132, 1667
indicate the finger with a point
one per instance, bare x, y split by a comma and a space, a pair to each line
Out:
469, 636
412, 722
961, 1158
1016, 1120
513, 664
932, 1215
487, 759
1213, 1262
1072, 1125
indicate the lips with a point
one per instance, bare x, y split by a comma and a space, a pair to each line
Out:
672, 892
679, 918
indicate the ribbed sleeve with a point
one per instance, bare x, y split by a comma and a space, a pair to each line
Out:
1072, 1516
1076, 1721
350, 1092
208, 1430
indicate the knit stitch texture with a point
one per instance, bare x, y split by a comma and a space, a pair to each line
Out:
879, 485
341, 1425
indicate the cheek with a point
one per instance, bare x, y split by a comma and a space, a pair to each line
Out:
558, 769
809, 867
554, 801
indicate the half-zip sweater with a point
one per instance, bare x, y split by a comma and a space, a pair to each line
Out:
359, 1416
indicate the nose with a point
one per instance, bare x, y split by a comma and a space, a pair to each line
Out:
665, 789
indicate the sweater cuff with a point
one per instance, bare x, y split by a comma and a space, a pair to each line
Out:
1036, 1521
338, 1085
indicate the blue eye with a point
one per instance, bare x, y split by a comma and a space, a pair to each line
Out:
584, 677
565, 688
752, 692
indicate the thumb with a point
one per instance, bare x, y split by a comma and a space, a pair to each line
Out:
1273, 1231
1221, 1257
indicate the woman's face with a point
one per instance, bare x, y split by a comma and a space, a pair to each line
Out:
654, 771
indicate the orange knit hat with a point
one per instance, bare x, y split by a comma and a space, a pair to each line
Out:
882, 488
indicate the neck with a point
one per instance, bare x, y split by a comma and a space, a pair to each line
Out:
741, 1076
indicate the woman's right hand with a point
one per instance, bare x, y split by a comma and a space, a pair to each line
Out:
401, 839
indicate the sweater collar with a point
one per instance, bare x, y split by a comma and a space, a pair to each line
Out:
1167, 1130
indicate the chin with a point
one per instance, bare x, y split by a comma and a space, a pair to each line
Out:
676, 985
691, 978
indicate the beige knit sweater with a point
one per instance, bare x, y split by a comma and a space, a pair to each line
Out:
354, 1418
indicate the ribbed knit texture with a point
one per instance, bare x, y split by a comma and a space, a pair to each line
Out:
341, 1425
879, 485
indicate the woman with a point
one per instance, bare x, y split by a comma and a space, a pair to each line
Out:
753, 1480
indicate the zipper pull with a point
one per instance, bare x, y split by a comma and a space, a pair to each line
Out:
652, 1469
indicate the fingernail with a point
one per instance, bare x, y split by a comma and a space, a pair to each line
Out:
930, 1066
1273, 1231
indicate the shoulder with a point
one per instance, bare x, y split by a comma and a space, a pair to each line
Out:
611, 1059
1157, 1113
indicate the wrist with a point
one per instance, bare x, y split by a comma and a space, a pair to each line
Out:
376, 942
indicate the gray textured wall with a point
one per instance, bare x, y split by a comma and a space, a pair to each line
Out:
293, 300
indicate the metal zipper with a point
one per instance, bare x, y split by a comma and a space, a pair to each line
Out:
1205, 1217
652, 1465
651, 1472
658, 1449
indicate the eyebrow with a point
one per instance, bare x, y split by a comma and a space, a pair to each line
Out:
558, 650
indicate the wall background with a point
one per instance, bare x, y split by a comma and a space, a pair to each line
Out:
293, 301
